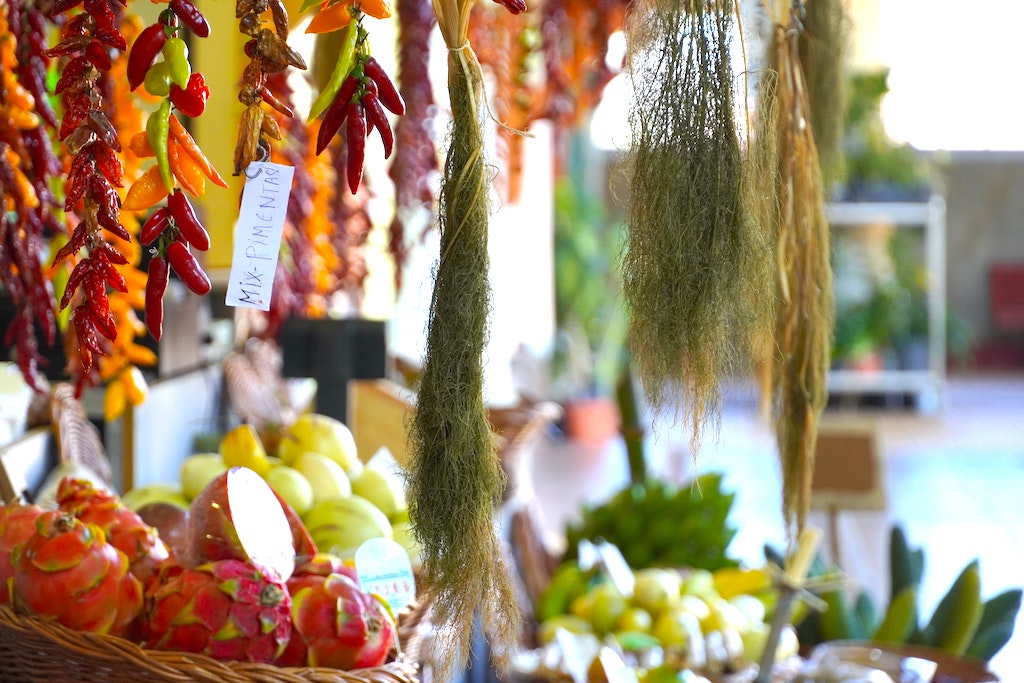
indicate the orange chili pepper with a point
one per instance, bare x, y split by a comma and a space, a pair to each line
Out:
140, 146
140, 355
185, 169
146, 191
378, 9
189, 146
330, 18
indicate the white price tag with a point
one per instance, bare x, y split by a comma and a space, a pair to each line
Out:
383, 568
258, 234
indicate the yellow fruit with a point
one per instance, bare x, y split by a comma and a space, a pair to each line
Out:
403, 535
722, 615
340, 525
198, 470
677, 629
320, 434
635, 619
694, 605
385, 491
291, 485
606, 608
154, 493
732, 581
325, 476
549, 627
751, 608
241, 447
655, 590
699, 582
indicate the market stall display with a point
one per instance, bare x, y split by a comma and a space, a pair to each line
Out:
234, 600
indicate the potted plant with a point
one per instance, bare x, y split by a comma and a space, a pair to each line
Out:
589, 356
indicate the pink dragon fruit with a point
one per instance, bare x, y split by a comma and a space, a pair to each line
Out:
17, 524
337, 624
125, 530
68, 572
229, 610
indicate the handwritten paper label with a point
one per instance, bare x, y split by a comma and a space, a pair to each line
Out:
258, 234
383, 568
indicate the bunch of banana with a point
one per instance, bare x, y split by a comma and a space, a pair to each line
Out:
657, 523
963, 624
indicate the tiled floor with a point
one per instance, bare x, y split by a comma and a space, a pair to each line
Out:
954, 478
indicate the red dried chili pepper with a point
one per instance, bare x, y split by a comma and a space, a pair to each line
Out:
335, 114
355, 129
99, 122
386, 91
274, 102
79, 236
191, 17
156, 285
513, 6
187, 221
96, 52
85, 330
143, 53
111, 254
68, 46
76, 108
110, 274
187, 268
191, 101
72, 72
77, 276
154, 225
375, 114
108, 164
82, 168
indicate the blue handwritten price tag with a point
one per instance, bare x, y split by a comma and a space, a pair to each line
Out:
383, 568
258, 234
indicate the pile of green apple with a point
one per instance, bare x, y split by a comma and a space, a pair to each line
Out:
342, 501
706, 622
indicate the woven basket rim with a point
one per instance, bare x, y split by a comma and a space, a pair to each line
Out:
45, 644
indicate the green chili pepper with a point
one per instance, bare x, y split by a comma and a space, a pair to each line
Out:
157, 80
175, 52
158, 129
346, 57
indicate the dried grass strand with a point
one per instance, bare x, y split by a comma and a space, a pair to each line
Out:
455, 479
692, 262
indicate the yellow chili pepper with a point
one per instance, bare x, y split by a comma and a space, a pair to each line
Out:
115, 400
135, 387
146, 191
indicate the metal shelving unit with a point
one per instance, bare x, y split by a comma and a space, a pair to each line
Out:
925, 385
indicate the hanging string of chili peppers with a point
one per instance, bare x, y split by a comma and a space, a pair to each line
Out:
358, 91
26, 158
414, 166
125, 383
95, 171
159, 62
269, 53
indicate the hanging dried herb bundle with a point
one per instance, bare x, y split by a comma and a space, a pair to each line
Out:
804, 308
693, 264
455, 478
823, 49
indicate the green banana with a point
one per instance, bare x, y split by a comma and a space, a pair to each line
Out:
838, 622
957, 615
865, 616
905, 564
566, 583
900, 620
996, 625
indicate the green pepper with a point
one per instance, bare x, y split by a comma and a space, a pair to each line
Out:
346, 57
175, 53
157, 80
158, 129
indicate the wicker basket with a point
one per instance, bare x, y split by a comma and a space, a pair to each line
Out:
33, 649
